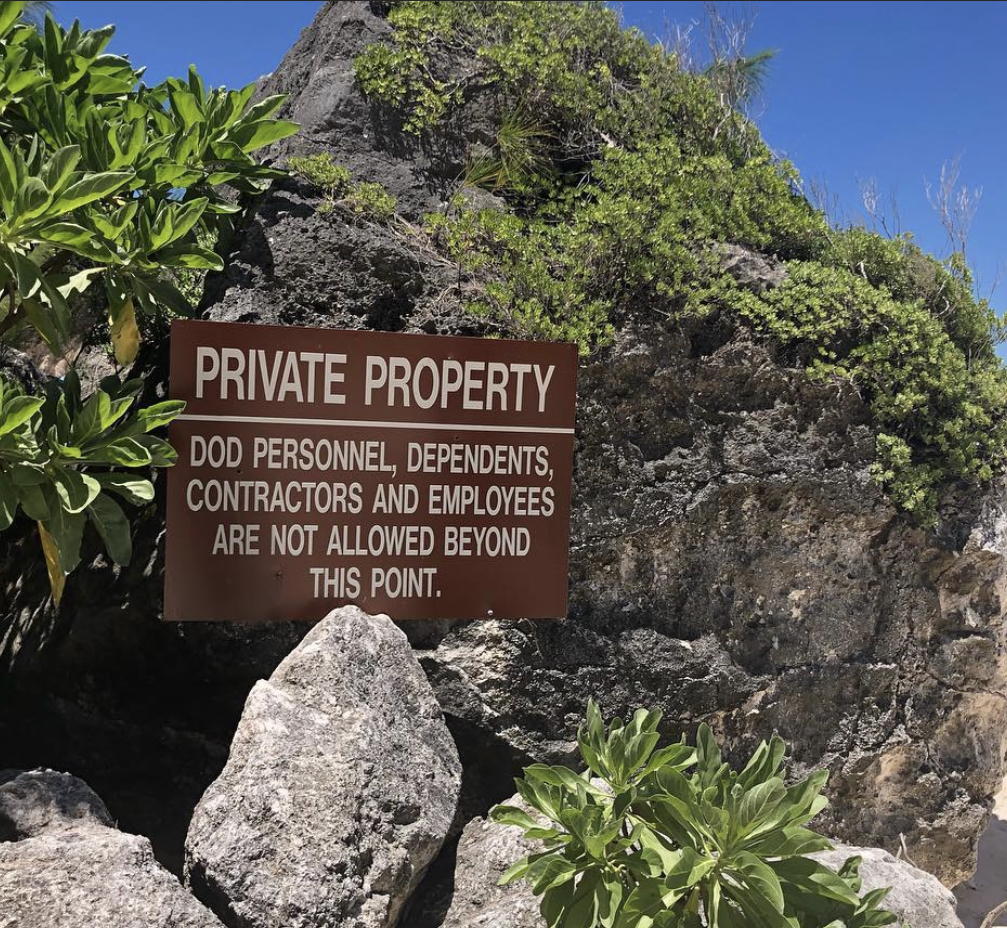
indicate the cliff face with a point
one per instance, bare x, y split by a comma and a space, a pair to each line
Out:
732, 559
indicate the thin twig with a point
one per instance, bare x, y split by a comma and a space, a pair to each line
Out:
990, 920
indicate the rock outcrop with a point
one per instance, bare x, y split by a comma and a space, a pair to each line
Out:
486, 850
65, 866
733, 562
340, 789
732, 559
916, 897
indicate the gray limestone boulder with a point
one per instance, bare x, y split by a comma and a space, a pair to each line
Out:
918, 898
339, 791
63, 865
35, 801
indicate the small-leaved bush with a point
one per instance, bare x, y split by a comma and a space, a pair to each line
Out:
112, 195
367, 199
673, 837
620, 172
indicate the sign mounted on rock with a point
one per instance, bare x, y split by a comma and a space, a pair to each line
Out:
426, 477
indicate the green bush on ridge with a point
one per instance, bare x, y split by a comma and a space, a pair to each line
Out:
632, 172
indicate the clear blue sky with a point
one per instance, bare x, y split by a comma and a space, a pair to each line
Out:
857, 90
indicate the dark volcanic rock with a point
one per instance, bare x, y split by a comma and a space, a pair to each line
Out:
733, 562
732, 559
366, 137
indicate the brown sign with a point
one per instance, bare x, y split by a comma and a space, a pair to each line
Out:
416, 475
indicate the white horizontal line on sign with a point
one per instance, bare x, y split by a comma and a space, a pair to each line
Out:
368, 423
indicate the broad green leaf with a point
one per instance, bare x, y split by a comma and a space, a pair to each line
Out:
186, 107
512, 815
124, 452
32, 200
164, 294
787, 842
680, 756
556, 903
10, 12
759, 877
79, 282
516, 871
758, 909
193, 256
33, 502
161, 453
547, 872
76, 490
584, 906
814, 878
182, 219
67, 530
60, 167
690, 869
610, 895
17, 410
250, 136
89, 422
654, 848
77, 239
8, 177
264, 108
113, 527
90, 188
758, 803
28, 475
135, 490
51, 322
562, 777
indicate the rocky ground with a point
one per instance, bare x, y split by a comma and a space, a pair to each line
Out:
340, 791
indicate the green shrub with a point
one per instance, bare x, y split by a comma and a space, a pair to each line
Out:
618, 191
323, 172
111, 188
655, 838
335, 181
371, 200
61, 463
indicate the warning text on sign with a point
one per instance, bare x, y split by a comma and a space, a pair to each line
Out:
420, 476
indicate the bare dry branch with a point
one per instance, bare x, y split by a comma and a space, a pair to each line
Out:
954, 203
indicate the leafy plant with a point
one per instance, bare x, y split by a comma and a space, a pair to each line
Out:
114, 189
61, 463
519, 159
335, 181
675, 838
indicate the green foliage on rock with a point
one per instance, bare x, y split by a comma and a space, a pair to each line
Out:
675, 838
369, 200
620, 189
114, 189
